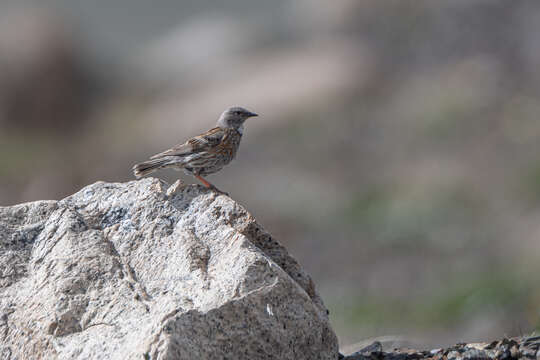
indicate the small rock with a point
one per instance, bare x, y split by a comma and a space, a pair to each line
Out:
454, 355
478, 346
373, 348
532, 339
173, 189
529, 353
514, 351
475, 354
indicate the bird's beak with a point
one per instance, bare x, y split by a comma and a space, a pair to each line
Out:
252, 114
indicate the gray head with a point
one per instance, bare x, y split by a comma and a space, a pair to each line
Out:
234, 117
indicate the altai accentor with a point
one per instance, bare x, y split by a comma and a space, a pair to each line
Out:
203, 154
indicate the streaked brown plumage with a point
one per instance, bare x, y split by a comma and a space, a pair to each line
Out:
203, 154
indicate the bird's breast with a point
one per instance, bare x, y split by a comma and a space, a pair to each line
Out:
230, 143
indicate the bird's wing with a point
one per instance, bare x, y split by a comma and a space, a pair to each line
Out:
199, 143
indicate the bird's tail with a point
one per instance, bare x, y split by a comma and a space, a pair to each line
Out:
149, 166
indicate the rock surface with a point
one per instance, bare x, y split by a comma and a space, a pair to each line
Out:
140, 271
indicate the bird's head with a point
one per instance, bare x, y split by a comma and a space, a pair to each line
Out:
234, 117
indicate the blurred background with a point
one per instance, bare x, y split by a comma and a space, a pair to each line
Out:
397, 154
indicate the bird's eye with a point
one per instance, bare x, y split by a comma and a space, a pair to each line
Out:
237, 113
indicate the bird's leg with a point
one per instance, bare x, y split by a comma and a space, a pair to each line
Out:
204, 181
209, 185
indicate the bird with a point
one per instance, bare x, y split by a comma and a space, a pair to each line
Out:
203, 154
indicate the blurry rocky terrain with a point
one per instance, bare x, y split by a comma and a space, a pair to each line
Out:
526, 347
397, 155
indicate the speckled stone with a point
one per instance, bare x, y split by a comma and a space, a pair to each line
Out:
139, 271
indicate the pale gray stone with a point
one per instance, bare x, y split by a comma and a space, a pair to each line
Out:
138, 271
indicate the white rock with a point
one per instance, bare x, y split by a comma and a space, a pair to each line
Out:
133, 271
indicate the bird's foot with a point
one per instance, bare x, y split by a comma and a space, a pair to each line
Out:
210, 185
215, 189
